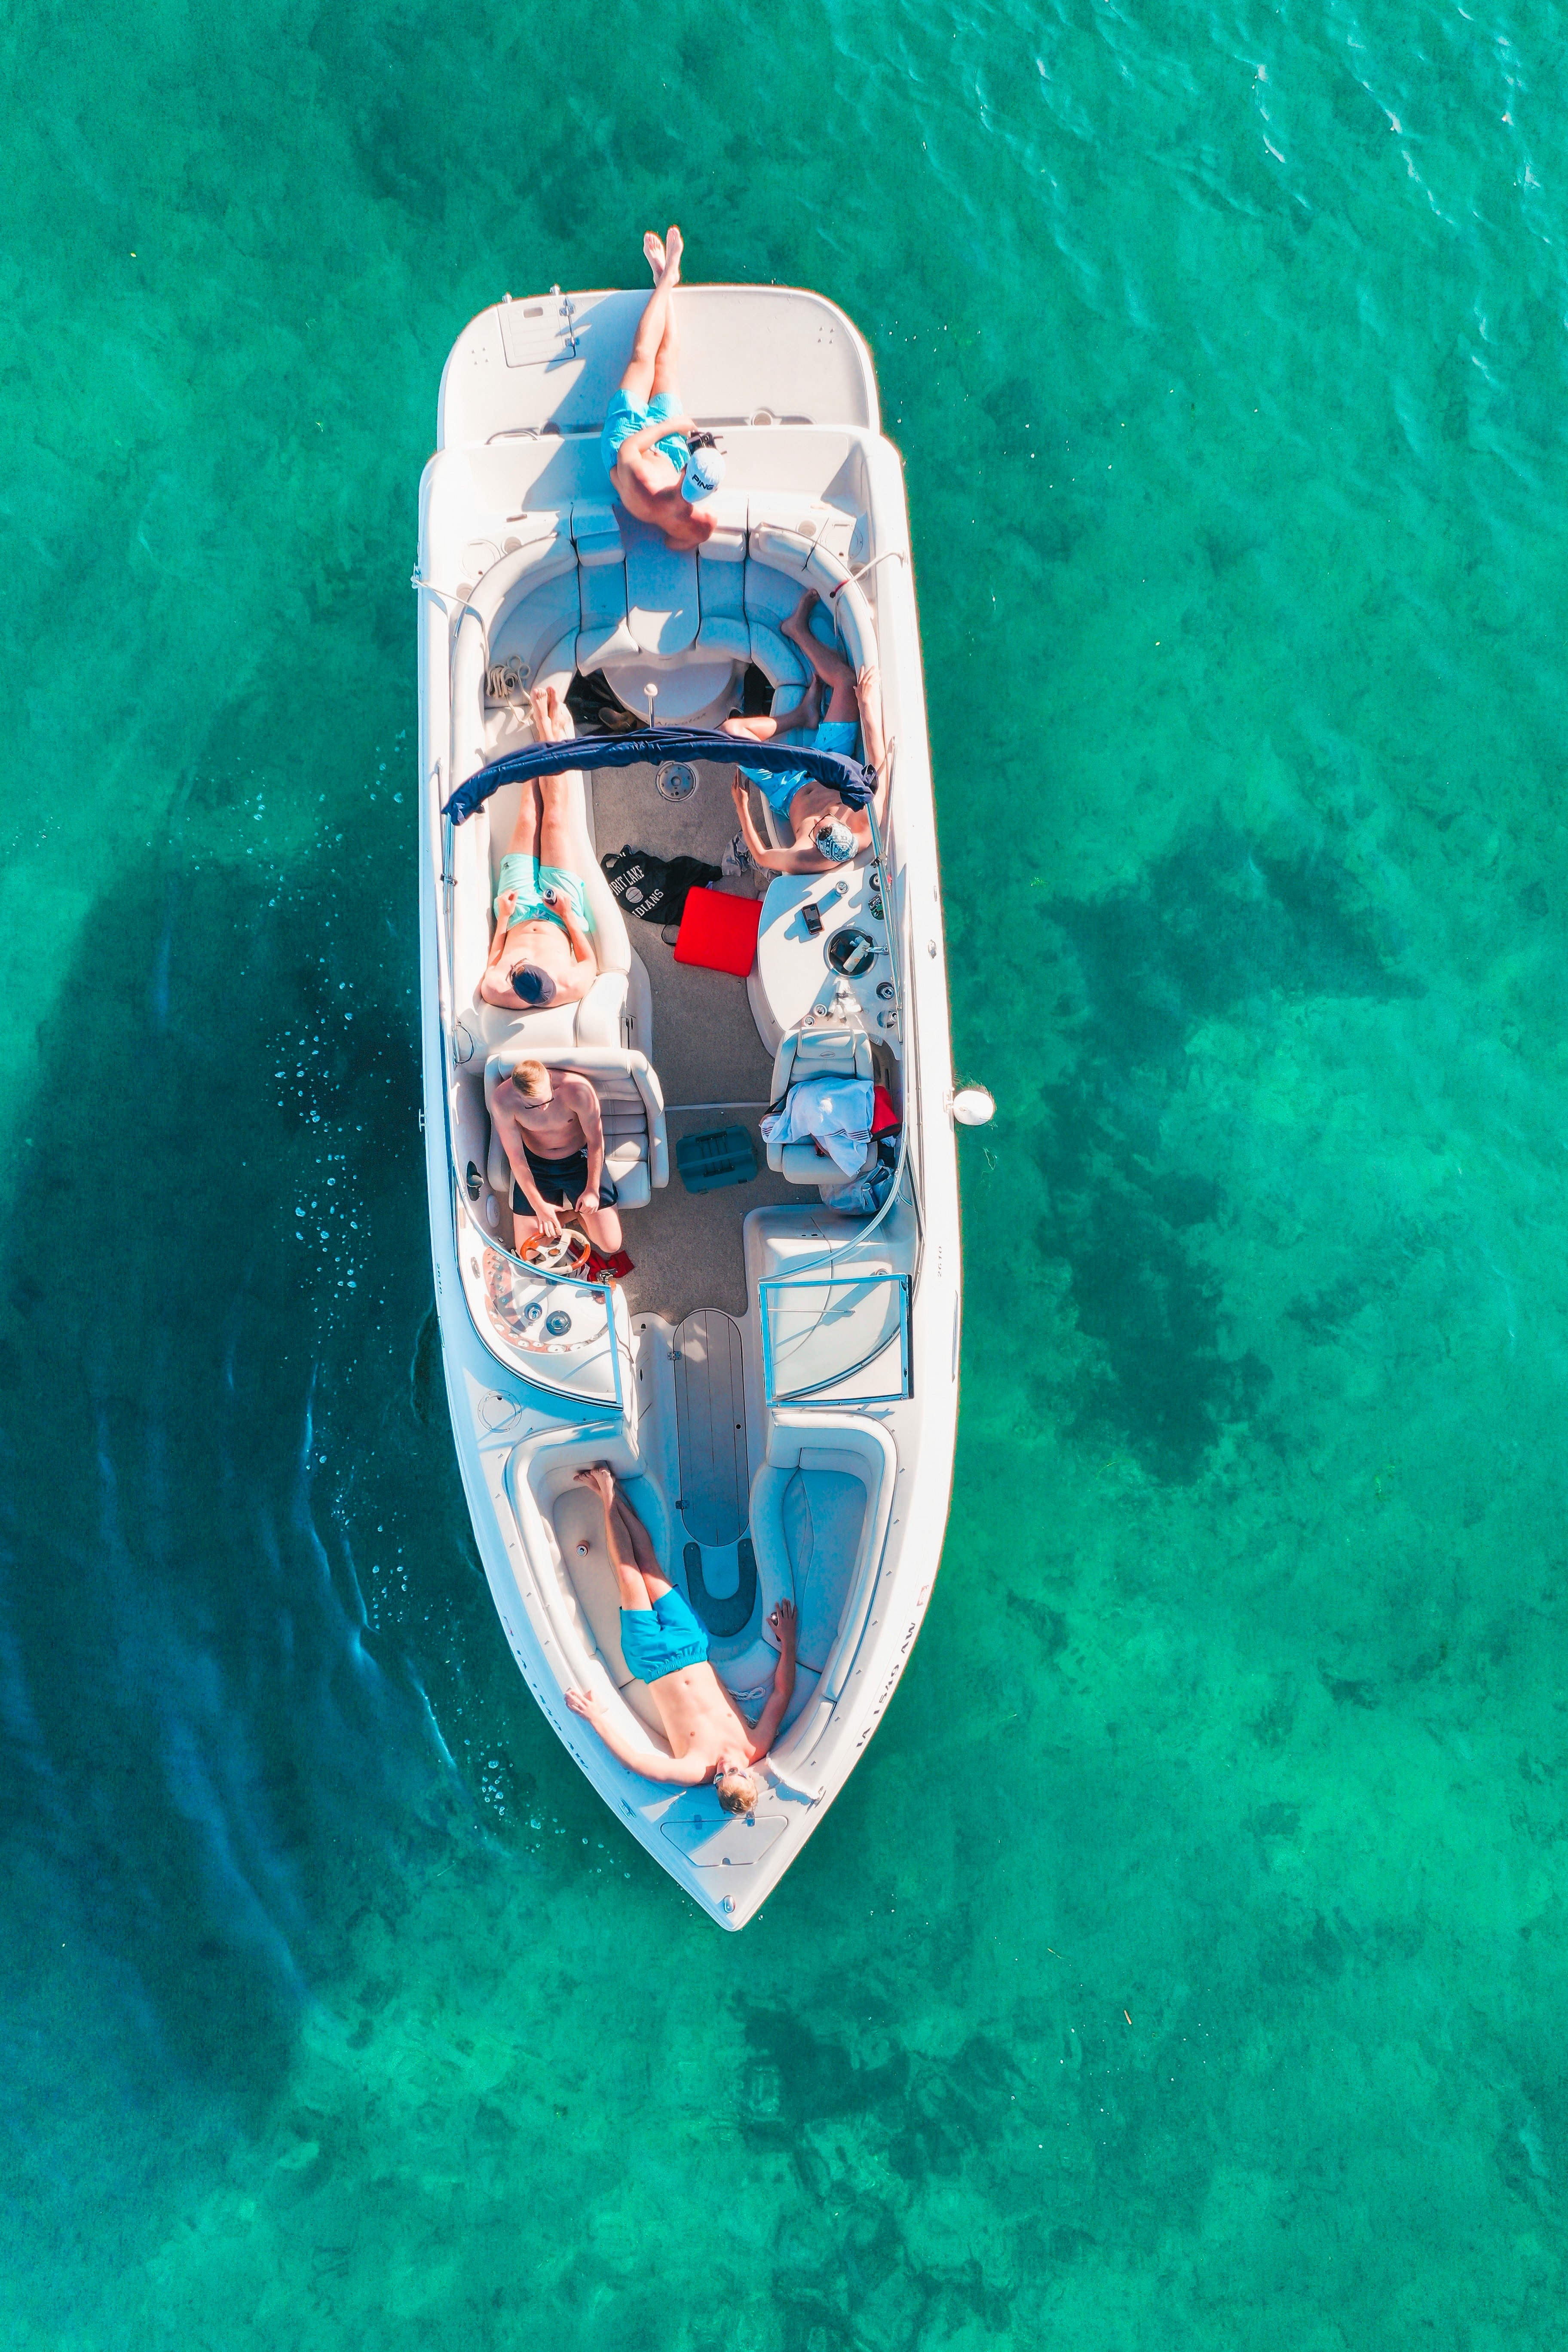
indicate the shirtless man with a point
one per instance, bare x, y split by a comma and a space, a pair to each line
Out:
826, 831
657, 473
541, 953
554, 1138
666, 1646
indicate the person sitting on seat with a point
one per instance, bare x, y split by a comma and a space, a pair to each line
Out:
553, 1134
541, 953
827, 833
666, 1646
660, 474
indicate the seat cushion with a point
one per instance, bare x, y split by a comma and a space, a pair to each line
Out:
662, 607
579, 1521
801, 1164
719, 931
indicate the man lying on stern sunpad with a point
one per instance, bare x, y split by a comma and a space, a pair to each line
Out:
666, 1646
541, 953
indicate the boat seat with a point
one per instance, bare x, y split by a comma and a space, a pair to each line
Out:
819, 1514
601, 584
536, 630
771, 593
786, 556
807, 1521
663, 611
778, 661
579, 1521
631, 1104
798, 561
721, 580
541, 557
816, 1053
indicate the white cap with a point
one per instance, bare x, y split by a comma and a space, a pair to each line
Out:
704, 472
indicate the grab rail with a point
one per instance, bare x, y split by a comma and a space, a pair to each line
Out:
449, 596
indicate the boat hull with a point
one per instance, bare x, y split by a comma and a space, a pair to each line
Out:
517, 1436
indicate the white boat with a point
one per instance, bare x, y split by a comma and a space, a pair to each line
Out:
776, 1382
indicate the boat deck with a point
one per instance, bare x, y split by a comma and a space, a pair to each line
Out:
685, 1246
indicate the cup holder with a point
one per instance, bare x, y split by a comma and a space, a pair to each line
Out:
851, 952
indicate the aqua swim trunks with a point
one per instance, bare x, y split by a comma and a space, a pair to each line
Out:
833, 735
662, 1640
837, 735
624, 418
529, 879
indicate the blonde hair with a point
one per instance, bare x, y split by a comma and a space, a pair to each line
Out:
530, 1078
736, 1791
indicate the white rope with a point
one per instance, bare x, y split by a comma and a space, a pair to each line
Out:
507, 681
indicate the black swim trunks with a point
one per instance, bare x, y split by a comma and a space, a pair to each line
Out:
561, 1181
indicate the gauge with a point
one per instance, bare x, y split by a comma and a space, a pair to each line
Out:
558, 1324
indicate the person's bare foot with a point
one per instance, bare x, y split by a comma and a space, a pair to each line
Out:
653, 252
799, 621
547, 713
602, 1479
674, 246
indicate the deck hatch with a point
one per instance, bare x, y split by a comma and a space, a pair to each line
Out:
711, 1844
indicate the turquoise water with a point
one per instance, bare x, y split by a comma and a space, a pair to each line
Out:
1185, 1965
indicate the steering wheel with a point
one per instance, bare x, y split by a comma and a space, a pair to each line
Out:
568, 1254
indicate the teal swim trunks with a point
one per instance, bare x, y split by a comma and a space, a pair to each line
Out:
624, 418
833, 735
529, 879
662, 1640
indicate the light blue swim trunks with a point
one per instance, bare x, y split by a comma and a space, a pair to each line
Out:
529, 879
624, 418
833, 735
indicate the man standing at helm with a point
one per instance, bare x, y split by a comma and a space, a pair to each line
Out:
660, 466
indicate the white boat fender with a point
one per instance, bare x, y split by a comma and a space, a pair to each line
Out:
973, 1107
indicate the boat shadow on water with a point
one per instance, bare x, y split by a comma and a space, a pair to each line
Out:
218, 1481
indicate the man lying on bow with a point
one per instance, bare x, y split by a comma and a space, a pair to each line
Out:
666, 1646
